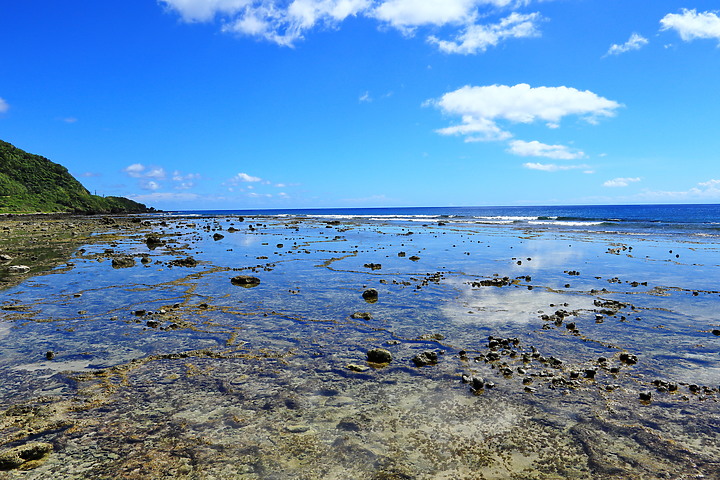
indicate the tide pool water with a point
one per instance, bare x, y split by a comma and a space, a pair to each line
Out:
567, 343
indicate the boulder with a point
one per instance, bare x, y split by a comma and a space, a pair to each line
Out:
246, 281
427, 357
123, 262
24, 454
184, 262
153, 241
370, 295
379, 355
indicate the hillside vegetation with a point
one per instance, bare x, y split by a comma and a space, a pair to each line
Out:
31, 183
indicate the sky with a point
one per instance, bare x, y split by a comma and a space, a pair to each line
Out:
247, 104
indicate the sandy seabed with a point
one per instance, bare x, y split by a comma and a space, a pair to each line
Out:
128, 351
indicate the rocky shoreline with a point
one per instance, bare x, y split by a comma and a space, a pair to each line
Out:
227, 347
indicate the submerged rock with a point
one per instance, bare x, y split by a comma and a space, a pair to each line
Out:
427, 357
370, 295
246, 281
184, 262
379, 355
26, 456
493, 282
358, 368
361, 316
432, 336
153, 241
123, 262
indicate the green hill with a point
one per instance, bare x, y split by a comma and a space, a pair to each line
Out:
31, 183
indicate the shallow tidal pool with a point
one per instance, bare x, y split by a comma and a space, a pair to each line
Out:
515, 354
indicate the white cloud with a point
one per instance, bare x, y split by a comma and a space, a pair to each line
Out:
135, 170
481, 107
151, 198
156, 172
365, 97
710, 184
477, 38
150, 185
551, 167
705, 191
205, 10
69, 120
138, 170
285, 25
243, 177
413, 13
636, 42
476, 130
621, 182
537, 149
691, 25
4, 107
285, 22
177, 176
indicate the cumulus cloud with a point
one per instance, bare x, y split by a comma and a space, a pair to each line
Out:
184, 181
204, 10
480, 108
243, 178
551, 167
537, 149
135, 170
154, 197
279, 22
150, 185
155, 172
286, 21
138, 170
704, 191
636, 42
476, 130
413, 13
4, 107
690, 24
477, 38
621, 182
150, 177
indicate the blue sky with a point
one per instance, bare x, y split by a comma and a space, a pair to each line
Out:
231, 104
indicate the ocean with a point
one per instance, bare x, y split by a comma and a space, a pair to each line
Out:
651, 219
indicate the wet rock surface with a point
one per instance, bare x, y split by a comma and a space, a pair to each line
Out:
245, 281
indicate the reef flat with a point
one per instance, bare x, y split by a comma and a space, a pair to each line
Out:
278, 347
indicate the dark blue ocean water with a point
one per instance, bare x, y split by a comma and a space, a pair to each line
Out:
702, 220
